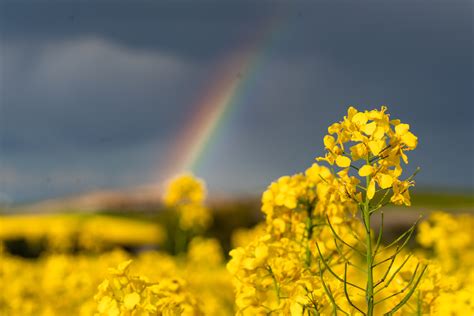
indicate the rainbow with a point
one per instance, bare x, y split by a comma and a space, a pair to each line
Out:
215, 104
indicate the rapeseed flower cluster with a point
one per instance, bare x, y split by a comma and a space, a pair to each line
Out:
158, 284
278, 271
125, 294
187, 194
375, 146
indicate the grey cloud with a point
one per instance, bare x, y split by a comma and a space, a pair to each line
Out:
93, 92
105, 86
210, 28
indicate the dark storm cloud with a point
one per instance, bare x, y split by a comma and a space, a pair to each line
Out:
194, 29
104, 86
90, 91
207, 28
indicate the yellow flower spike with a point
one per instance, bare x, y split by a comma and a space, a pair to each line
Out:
343, 161
184, 189
366, 170
371, 189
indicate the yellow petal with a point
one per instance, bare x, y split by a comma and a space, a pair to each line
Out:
401, 129
124, 266
369, 129
404, 157
410, 140
261, 252
376, 146
334, 128
395, 122
249, 264
329, 141
357, 137
279, 224
351, 111
290, 202
358, 151
379, 133
131, 300
385, 181
360, 119
366, 170
296, 309
343, 161
371, 189
376, 114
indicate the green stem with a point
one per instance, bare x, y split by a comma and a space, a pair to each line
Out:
370, 282
418, 304
369, 290
181, 238
275, 284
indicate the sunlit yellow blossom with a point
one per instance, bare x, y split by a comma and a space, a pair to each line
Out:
377, 145
122, 293
185, 189
186, 194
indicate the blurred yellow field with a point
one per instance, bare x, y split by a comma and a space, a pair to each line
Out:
87, 232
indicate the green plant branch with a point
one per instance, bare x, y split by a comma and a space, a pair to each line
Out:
344, 257
275, 284
388, 271
386, 285
408, 232
333, 273
347, 294
342, 240
412, 279
379, 238
409, 294
329, 293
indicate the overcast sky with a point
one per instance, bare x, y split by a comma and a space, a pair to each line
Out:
93, 93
